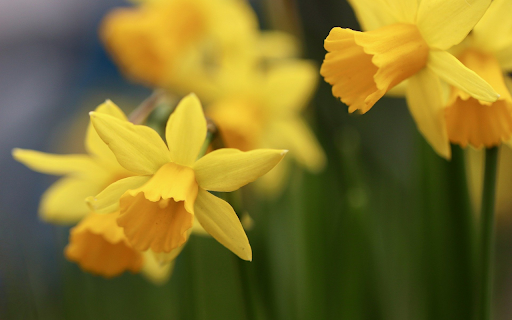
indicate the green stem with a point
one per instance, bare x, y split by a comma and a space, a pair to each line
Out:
242, 267
487, 232
245, 283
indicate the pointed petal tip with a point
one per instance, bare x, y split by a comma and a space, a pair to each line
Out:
284, 152
192, 96
90, 200
249, 256
15, 152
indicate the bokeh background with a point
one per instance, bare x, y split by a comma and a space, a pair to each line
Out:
382, 233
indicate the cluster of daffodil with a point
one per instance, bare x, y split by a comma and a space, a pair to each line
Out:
144, 196
253, 86
454, 82
449, 59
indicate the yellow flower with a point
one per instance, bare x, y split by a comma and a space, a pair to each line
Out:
406, 40
157, 209
97, 244
100, 247
84, 174
488, 52
262, 110
151, 41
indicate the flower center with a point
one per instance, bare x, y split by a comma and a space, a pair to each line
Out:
363, 66
470, 121
157, 215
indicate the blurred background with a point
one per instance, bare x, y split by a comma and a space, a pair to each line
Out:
380, 234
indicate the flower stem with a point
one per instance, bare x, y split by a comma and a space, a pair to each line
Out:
245, 283
487, 233
146, 107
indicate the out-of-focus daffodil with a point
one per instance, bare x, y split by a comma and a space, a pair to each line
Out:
151, 42
258, 109
406, 39
158, 207
99, 246
488, 52
84, 174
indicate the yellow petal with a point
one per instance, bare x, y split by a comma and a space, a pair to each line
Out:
108, 199
227, 170
186, 130
220, 220
137, 148
241, 122
494, 30
444, 24
78, 164
278, 45
98, 245
451, 70
426, 104
404, 10
64, 201
155, 271
373, 14
93, 143
290, 85
296, 136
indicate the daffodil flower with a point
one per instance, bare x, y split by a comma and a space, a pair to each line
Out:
98, 245
264, 110
406, 40
488, 52
84, 174
151, 41
158, 207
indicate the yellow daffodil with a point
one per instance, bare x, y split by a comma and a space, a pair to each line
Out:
151, 41
84, 174
158, 207
100, 247
258, 109
406, 39
97, 244
488, 52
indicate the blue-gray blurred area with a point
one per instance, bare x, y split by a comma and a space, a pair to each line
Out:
50, 62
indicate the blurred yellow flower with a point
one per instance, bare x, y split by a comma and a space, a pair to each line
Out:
99, 246
152, 40
84, 174
488, 52
157, 208
406, 40
256, 109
